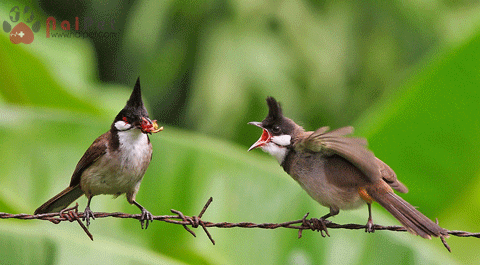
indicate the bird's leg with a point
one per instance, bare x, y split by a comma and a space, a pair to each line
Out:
369, 228
146, 215
332, 212
88, 213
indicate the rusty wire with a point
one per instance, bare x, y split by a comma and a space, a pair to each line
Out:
72, 214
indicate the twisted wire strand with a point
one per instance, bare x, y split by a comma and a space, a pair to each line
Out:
72, 215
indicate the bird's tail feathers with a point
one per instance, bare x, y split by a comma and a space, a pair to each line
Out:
413, 220
61, 200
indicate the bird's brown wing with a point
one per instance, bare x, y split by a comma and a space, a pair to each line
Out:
390, 177
350, 148
94, 152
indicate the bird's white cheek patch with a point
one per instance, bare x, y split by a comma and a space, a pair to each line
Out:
122, 126
283, 140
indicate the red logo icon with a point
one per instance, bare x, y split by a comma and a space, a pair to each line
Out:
21, 33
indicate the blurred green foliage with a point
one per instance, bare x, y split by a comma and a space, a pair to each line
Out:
406, 74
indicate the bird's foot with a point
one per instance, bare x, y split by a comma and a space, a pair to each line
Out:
369, 226
319, 225
146, 218
87, 214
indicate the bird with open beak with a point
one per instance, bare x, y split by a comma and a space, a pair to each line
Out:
338, 171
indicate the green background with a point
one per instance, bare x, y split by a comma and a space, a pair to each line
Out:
406, 75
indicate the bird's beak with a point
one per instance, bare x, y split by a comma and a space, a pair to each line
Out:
149, 126
264, 139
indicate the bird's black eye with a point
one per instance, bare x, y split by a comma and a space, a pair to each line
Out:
275, 129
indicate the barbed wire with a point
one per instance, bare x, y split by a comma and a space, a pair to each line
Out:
314, 224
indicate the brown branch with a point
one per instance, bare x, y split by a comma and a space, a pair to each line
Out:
72, 214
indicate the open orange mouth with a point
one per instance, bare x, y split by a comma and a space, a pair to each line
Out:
264, 139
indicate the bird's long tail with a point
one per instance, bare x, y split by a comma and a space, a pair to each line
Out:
413, 220
61, 200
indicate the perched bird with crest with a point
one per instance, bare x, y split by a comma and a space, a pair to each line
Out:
338, 171
115, 162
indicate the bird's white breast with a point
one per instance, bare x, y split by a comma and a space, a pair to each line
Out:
134, 147
119, 171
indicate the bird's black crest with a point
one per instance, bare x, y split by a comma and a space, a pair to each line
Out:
275, 119
274, 109
134, 109
135, 100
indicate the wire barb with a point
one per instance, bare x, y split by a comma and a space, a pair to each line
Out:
72, 214
181, 216
202, 223
443, 239
196, 221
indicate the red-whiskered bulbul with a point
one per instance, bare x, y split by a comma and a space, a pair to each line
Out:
115, 162
338, 172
